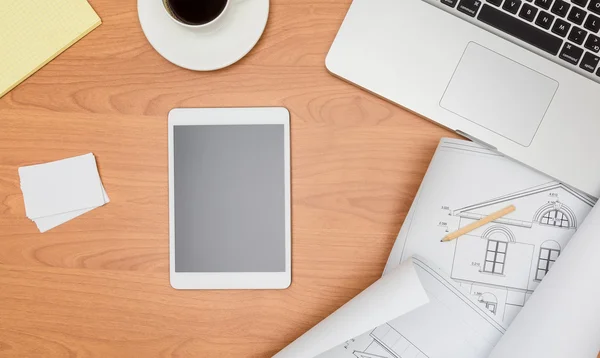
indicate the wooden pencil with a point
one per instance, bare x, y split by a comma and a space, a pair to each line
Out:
479, 223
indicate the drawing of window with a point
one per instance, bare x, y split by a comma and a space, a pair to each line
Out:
495, 256
557, 215
489, 300
555, 218
549, 252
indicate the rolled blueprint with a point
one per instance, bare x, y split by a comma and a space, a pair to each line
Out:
562, 317
414, 311
391, 296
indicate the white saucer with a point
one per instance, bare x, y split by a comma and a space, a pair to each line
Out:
209, 48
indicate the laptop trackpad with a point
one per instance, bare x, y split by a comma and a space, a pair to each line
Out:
499, 94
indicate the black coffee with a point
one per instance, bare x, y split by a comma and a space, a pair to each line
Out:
196, 12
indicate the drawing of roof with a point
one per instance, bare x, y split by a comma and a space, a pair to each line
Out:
535, 190
467, 211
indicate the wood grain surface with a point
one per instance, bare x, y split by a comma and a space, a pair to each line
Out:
98, 285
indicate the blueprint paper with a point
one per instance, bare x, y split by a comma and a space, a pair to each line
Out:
61, 186
50, 222
391, 296
562, 317
503, 262
450, 325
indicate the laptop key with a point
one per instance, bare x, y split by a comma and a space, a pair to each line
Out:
581, 3
561, 27
451, 3
469, 7
560, 8
495, 2
577, 35
544, 20
528, 12
520, 29
593, 43
577, 15
592, 23
512, 6
595, 6
544, 4
589, 62
571, 53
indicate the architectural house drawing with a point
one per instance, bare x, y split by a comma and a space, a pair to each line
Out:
504, 261
389, 343
490, 261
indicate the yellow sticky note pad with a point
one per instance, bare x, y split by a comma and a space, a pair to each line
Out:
33, 32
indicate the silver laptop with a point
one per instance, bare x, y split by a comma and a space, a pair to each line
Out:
520, 76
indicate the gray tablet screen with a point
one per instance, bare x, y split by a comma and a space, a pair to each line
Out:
229, 183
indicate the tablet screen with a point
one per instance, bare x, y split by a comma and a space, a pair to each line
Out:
229, 198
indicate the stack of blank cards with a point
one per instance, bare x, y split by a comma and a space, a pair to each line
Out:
59, 191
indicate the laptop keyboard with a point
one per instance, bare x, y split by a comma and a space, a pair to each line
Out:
566, 30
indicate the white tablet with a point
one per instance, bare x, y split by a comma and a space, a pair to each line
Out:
229, 198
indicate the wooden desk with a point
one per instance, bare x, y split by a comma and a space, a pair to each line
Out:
98, 286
